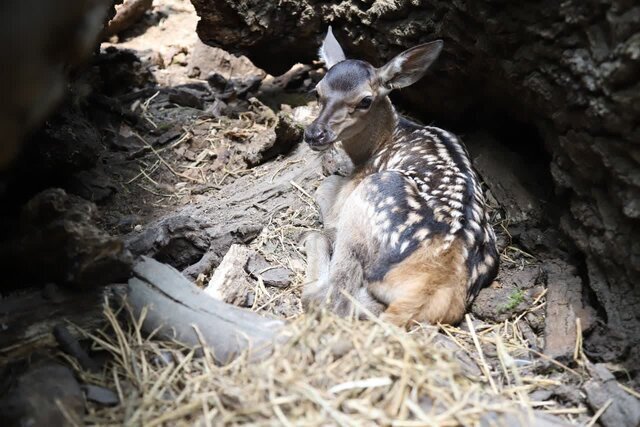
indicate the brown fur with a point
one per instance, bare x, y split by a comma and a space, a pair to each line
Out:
428, 286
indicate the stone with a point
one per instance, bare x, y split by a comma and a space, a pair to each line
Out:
287, 135
100, 395
205, 61
177, 239
277, 276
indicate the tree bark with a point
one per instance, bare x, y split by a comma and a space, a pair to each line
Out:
42, 42
569, 71
179, 310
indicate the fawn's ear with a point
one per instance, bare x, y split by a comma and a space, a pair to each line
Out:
330, 52
409, 66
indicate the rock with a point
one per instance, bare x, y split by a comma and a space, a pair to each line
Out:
124, 143
58, 241
179, 59
230, 282
37, 395
277, 276
121, 71
100, 395
623, 410
292, 79
305, 114
229, 89
93, 185
70, 345
174, 131
288, 134
336, 161
205, 61
67, 144
606, 345
291, 88
218, 82
127, 14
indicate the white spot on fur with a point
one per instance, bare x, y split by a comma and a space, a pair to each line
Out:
414, 218
413, 203
421, 234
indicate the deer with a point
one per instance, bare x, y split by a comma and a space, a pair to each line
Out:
407, 236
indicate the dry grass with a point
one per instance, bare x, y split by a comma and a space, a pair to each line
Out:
331, 371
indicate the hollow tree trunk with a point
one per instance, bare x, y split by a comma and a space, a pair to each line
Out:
569, 69
42, 43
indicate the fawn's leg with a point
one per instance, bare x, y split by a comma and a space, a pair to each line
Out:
429, 286
318, 245
343, 207
330, 197
318, 249
354, 247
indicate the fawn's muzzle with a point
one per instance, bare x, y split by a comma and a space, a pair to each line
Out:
319, 137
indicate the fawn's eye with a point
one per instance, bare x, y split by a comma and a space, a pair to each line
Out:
364, 103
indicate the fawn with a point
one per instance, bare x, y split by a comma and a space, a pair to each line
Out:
407, 234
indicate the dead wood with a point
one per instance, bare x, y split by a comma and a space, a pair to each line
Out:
235, 214
564, 306
58, 241
180, 311
29, 319
127, 14
510, 178
45, 394
230, 282
618, 408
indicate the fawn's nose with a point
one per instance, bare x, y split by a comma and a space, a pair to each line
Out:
318, 136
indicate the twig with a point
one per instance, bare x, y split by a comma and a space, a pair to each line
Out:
164, 162
598, 414
483, 362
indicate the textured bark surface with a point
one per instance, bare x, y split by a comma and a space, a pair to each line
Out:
568, 70
42, 41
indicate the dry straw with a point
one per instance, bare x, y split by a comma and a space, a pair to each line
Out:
331, 371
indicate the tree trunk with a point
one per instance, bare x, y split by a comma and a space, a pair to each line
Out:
558, 76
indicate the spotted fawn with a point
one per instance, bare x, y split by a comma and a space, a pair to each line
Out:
407, 234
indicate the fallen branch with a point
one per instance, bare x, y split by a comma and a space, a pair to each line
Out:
181, 311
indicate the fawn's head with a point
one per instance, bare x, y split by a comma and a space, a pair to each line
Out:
353, 92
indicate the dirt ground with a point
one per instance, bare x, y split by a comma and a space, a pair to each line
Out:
195, 158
